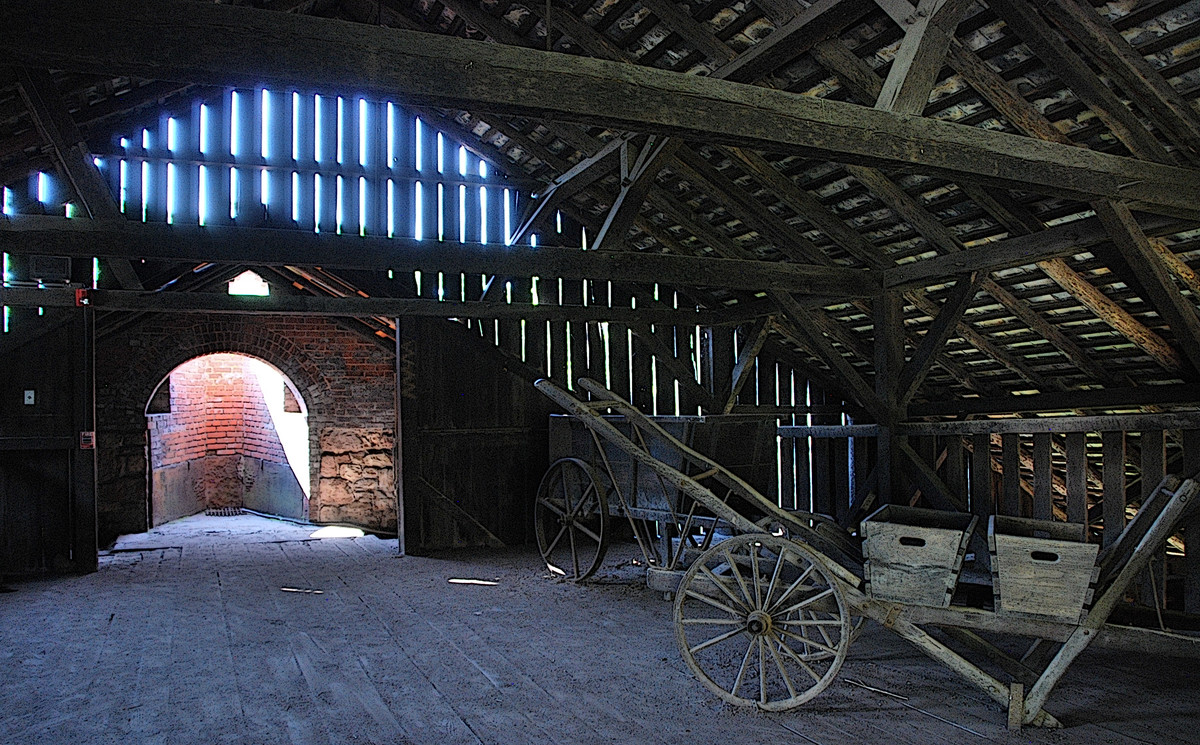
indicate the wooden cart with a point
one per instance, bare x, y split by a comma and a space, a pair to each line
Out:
764, 617
623, 465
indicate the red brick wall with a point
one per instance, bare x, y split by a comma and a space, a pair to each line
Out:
217, 408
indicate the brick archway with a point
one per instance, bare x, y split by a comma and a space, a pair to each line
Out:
222, 434
345, 379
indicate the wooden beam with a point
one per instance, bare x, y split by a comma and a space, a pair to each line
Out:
1189, 276
54, 122
1023, 19
755, 339
680, 368
580, 176
940, 331
1057, 424
1152, 273
928, 31
635, 185
799, 29
1170, 112
1019, 250
801, 326
269, 246
1061, 401
223, 45
774, 228
933, 488
1018, 221
681, 22
349, 307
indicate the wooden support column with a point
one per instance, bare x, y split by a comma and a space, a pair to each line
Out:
1010, 463
1113, 463
1077, 477
1191, 529
889, 360
1043, 477
982, 500
398, 452
1154, 467
83, 461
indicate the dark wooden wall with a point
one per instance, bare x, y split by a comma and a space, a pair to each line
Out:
474, 439
47, 482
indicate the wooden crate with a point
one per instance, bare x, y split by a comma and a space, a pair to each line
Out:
914, 555
1041, 567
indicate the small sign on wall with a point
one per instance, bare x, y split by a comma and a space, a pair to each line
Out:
87, 440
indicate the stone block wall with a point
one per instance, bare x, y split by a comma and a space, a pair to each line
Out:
357, 477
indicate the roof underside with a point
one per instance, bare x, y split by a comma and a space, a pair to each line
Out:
1119, 77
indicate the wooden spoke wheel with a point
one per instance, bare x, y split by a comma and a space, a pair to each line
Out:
570, 518
761, 622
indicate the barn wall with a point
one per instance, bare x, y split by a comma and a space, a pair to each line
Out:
346, 380
474, 439
47, 498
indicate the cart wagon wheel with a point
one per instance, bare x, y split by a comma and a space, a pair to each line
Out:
761, 622
570, 517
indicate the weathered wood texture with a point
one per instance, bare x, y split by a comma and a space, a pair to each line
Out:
915, 555
47, 482
1041, 567
477, 436
219, 45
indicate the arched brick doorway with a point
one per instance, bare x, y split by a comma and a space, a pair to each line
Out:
227, 430
347, 382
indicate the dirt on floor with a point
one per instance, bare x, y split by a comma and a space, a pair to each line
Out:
247, 630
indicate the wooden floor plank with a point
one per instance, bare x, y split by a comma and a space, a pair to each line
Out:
200, 644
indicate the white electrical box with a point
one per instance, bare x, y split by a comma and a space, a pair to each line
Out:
29, 398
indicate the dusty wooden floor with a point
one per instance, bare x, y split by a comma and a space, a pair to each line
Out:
190, 639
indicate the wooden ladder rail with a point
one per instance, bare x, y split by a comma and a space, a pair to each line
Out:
1181, 498
825, 533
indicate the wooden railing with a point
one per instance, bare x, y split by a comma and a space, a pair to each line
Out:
1090, 470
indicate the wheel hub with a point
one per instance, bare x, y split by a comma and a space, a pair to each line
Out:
758, 623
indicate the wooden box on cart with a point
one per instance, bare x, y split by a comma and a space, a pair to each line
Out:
914, 555
1041, 567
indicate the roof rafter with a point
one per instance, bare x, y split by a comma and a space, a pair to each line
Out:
222, 45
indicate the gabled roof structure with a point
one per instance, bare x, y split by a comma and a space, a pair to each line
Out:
946, 208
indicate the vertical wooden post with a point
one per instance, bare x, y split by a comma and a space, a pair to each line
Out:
83, 461
398, 454
1191, 529
1043, 477
982, 500
1077, 477
953, 473
1154, 467
841, 477
1113, 457
1010, 463
888, 318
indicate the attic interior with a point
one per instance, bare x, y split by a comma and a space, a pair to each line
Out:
929, 263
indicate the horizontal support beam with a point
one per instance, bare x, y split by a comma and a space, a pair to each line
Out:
224, 45
349, 307
60, 236
1103, 398
832, 430
1055, 424
1057, 242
